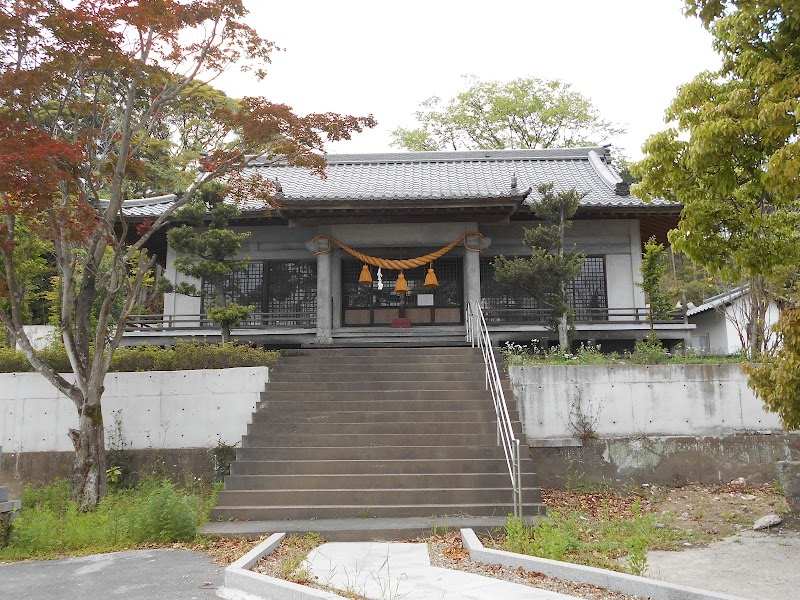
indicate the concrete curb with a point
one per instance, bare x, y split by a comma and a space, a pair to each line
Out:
611, 580
243, 584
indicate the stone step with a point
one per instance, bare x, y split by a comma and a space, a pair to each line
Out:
366, 511
392, 385
380, 352
375, 481
388, 496
374, 416
308, 403
368, 452
360, 529
10, 505
424, 365
338, 440
358, 379
376, 431
420, 466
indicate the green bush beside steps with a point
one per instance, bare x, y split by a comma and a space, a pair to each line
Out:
189, 355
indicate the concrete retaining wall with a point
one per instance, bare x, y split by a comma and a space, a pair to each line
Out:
574, 402
665, 460
164, 410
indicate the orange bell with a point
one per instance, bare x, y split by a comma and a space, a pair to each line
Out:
430, 278
366, 277
401, 285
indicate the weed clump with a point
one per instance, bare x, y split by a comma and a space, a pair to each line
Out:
50, 524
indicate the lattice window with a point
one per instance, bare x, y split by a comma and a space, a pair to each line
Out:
588, 289
244, 287
274, 288
497, 296
291, 287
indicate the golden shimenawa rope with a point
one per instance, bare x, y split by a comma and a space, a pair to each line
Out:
400, 264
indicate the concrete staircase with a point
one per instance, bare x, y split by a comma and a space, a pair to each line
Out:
372, 443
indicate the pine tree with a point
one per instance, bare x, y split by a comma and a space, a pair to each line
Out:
547, 273
208, 247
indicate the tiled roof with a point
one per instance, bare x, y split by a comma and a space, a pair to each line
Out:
432, 176
718, 300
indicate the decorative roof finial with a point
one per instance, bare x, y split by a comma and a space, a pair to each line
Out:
514, 181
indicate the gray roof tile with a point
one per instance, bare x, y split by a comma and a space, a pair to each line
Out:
440, 175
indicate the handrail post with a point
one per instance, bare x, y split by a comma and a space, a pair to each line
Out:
477, 328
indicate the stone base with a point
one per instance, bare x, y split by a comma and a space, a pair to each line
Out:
666, 460
789, 477
40, 468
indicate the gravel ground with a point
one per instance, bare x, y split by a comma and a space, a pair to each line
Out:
447, 551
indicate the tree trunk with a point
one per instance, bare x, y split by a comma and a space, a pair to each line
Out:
757, 318
89, 468
563, 323
225, 330
563, 333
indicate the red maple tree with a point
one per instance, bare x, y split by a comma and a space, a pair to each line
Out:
85, 90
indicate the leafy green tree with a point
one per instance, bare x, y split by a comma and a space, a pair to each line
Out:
208, 248
731, 158
547, 273
30, 259
776, 380
654, 266
493, 115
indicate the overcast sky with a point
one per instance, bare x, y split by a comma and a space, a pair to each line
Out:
384, 58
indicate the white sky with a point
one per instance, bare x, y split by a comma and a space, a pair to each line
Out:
358, 57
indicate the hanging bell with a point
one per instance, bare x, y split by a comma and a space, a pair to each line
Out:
430, 278
366, 277
401, 285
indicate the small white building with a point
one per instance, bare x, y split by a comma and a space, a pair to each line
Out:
721, 322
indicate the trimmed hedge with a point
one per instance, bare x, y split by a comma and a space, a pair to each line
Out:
184, 356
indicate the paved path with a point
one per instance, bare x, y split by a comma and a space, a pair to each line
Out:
752, 564
383, 570
133, 575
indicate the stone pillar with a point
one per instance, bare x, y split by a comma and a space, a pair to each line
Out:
474, 244
322, 248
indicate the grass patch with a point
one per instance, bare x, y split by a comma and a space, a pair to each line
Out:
296, 550
155, 512
601, 536
649, 352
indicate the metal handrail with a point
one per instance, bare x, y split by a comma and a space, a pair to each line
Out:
583, 316
478, 333
255, 320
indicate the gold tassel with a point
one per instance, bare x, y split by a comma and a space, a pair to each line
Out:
430, 278
366, 277
401, 285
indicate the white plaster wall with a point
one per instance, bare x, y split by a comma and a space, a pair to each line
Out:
40, 336
721, 325
159, 409
633, 400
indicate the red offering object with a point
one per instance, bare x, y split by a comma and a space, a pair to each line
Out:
401, 323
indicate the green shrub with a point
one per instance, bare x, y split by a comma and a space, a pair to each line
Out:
200, 355
56, 356
185, 355
13, 361
649, 352
164, 516
143, 358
